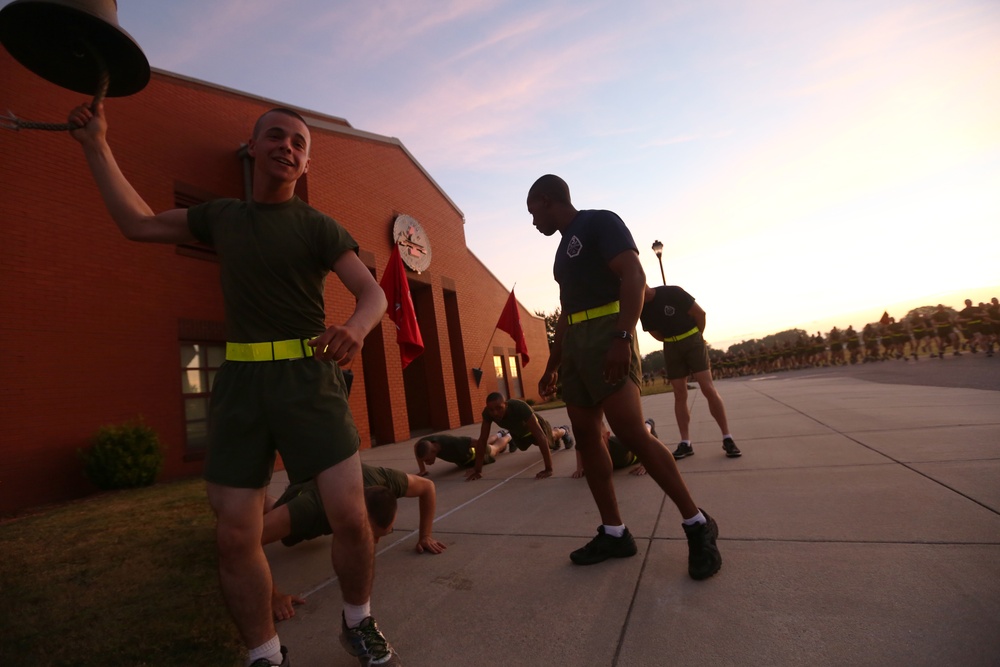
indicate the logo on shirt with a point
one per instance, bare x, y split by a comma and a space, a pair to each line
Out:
574, 247
669, 311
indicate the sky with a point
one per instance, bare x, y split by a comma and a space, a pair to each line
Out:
801, 162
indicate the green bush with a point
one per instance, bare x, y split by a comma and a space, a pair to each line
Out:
123, 457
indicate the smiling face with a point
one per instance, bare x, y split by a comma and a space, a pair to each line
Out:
280, 148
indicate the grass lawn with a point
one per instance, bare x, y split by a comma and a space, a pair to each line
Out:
124, 578
657, 387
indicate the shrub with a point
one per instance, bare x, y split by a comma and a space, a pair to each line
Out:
124, 456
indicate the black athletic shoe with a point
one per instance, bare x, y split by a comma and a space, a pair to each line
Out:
652, 428
683, 449
732, 451
604, 547
704, 558
264, 662
567, 439
367, 644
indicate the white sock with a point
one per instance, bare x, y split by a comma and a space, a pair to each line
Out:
355, 613
270, 650
697, 518
686, 442
614, 531
728, 436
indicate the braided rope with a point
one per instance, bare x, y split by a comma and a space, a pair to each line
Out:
12, 122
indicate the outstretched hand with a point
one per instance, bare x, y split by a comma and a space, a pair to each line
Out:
283, 606
430, 545
543, 474
638, 470
472, 476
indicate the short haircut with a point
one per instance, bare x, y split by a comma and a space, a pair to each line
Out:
423, 446
259, 125
381, 505
550, 186
495, 396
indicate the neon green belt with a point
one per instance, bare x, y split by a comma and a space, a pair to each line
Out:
686, 334
277, 350
593, 313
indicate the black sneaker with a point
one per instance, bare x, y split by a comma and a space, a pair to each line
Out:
683, 449
367, 644
567, 439
652, 428
732, 451
704, 558
264, 662
604, 547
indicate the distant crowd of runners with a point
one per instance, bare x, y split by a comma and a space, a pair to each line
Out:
974, 329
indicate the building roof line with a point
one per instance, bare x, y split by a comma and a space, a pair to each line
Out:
321, 121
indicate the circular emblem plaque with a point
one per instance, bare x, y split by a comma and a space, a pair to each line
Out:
414, 247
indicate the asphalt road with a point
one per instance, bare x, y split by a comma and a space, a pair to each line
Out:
970, 371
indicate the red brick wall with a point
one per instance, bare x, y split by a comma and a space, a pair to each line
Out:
89, 320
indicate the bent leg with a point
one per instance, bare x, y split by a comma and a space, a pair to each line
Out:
244, 575
624, 413
352, 548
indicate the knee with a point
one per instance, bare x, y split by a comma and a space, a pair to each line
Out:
235, 540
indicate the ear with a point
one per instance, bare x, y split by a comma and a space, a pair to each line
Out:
251, 148
305, 170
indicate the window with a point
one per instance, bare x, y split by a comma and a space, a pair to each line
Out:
515, 378
498, 367
200, 362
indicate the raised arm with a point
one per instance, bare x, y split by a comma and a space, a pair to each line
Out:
341, 343
130, 212
426, 494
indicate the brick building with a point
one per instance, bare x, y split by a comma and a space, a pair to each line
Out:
98, 330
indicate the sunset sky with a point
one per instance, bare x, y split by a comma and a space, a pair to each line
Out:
800, 161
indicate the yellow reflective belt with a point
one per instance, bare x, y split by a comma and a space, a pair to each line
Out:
278, 350
686, 334
592, 313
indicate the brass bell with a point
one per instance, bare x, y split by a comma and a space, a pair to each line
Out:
75, 44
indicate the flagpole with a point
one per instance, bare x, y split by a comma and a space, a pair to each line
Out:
483, 360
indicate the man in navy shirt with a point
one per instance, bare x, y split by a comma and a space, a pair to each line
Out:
594, 354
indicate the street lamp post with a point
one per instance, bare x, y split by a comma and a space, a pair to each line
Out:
658, 249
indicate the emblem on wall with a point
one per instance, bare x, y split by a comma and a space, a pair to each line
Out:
414, 247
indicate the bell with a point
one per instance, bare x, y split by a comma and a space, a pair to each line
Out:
74, 44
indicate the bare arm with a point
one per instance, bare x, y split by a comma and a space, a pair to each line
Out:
550, 378
543, 444
699, 316
130, 212
426, 494
627, 267
420, 461
484, 436
341, 343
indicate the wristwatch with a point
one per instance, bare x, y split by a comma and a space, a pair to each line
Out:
624, 335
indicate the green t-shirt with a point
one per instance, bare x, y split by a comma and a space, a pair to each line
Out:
273, 260
517, 420
305, 506
454, 448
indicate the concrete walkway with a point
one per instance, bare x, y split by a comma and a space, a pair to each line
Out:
860, 527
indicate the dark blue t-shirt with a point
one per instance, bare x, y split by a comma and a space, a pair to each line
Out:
592, 240
667, 313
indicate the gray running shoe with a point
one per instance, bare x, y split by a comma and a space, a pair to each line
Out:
367, 644
683, 449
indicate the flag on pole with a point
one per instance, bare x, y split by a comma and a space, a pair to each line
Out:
401, 312
510, 322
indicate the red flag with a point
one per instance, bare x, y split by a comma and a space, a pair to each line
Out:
510, 322
397, 293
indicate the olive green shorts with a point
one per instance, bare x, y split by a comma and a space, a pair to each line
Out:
584, 348
305, 512
686, 357
298, 408
524, 443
